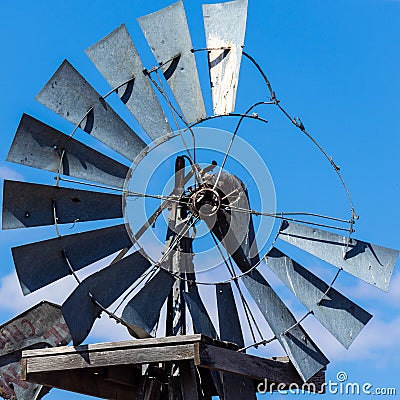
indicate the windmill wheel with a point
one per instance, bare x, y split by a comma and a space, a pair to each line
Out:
189, 186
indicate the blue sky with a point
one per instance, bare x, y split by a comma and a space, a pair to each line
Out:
333, 63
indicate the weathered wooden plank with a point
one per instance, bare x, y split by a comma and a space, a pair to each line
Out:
150, 342
99, 359
251, 366
84, 382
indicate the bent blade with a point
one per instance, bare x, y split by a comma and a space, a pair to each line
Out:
27, 204
167, 33
306, 357
369, 262
39, 264
38, 145
338, 314
225, 27
117, 59
143, 311
105, 286
68, 94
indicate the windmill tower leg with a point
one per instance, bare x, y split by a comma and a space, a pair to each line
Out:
176, 324
180, 262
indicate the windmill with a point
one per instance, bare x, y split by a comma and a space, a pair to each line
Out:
203, 194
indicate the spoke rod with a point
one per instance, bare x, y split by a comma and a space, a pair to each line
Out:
246, 306
282, 216
232, 140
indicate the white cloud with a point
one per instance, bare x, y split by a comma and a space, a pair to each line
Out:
14, 302
9, 173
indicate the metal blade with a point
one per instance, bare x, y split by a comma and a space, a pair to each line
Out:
229, 323
202, 324
201, 320
80, 309
39, 264
68, 94
167, 33
27, 204
234, 386
304, 354
118, 61
143, 311
41, 326
369, 262
41, 146
225, 27
343, 318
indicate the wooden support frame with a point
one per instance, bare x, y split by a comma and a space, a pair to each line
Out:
113, 370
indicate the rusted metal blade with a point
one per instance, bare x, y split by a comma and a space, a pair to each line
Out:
201, 320
104, 287
372, 263
229, 323
41, 326
339, 315
143, 310
38, 145
68, 94
39, 264
27, 204
306, 357
225, 27
167, 33
117, 59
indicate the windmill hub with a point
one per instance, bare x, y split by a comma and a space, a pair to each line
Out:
205, 202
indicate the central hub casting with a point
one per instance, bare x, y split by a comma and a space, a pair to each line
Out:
205, 202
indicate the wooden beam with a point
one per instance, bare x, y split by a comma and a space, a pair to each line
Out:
124, 375
56, 361
141, 343
48, 366
251, 366
84, 382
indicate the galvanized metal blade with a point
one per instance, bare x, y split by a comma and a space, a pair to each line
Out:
202, 324
41, 326
167, 33
82, 307
343, 318
39, 264
201, 320
228, 318
143, 311
234, 386
225, 27
306, 357
38, 145
27, 204
68, 94
369, 262
118, 61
